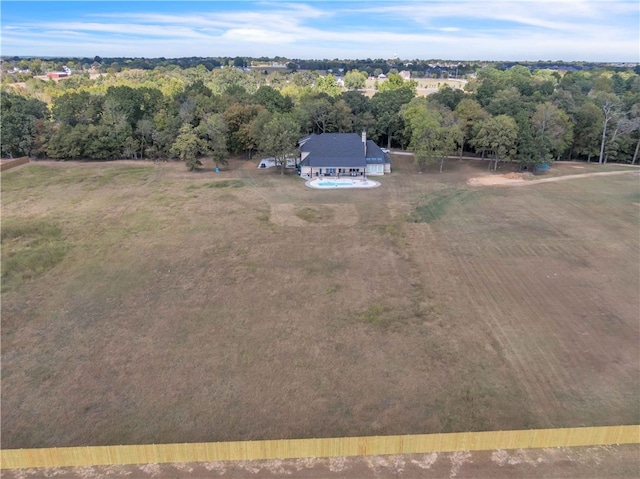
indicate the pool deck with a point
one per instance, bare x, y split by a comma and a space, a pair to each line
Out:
341, 183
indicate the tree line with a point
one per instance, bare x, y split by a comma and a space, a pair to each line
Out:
24, 66
194, 113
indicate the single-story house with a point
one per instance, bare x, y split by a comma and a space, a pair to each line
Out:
341, 154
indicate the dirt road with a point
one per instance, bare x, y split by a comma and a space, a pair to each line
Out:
504, 180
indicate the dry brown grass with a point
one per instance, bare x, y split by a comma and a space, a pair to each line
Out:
186, 309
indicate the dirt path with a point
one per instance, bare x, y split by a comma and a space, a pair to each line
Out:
506, 180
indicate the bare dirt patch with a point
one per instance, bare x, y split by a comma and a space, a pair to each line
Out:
520, 179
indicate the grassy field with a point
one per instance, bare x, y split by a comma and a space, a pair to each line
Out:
425, 86
142, 303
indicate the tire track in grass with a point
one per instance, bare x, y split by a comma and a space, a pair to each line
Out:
541, 275
475, 291
537, 359
492, 294
553, 356
462, 277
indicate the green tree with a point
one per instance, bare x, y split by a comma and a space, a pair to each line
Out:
144, 133
519, 76
528, 152
579, 83
386, 108
272, 99
197, 101
187, 147
213, 133
490, 81
634, 129
498, 136
68, 142
19, 122
240, 133
226, 79
255, 130
552, 131
133, 103
304, 78
341, 116
588, 128
468, 113
602, 84
447, 96
433, 132
355, 80
610, 108
328, 84
78, 107
316, 113
360, 106
279, 137
618, 85
166, 128
507, 102
394, 82
107, 140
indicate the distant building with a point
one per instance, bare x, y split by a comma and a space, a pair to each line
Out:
57, 75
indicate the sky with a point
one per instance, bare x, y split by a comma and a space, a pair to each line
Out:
512, 30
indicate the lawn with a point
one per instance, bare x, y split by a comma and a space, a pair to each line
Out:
142, 303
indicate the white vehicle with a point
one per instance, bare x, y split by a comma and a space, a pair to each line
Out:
385, 150
272, 162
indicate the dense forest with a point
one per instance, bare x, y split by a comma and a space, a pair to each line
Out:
214, 108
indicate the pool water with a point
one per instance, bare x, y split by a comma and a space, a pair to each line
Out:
341, 183
335, 183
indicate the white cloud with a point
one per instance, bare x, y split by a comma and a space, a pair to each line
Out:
254, 35
126, 29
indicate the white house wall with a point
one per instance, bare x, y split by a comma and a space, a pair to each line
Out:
375, 169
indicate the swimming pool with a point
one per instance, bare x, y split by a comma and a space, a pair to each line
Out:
336, 183
332, 183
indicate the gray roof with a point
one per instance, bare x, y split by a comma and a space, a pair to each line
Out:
333, 150
375, 154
